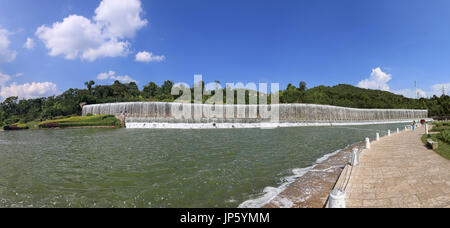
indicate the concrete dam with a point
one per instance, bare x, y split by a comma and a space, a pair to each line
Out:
186, 115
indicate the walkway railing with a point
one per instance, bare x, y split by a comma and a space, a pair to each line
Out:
338, 196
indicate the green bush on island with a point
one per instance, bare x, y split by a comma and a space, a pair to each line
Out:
15, 128
49, 125
78, 121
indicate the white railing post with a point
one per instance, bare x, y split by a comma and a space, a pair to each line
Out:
426, 129
337, 199
398, 130
367, 143
355, 157
378, 137
389, 132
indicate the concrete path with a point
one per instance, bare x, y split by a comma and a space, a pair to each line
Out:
399, 171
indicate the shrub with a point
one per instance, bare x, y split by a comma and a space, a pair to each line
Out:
14, 128
441, 124
444, 136
49, 125
77, 121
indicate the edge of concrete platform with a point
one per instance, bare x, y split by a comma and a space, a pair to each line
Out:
347, 171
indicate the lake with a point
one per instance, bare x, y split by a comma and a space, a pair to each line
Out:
160, 168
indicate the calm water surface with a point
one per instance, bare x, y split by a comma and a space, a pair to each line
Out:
159, 168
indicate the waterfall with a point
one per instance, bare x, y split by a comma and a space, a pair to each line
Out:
173, 114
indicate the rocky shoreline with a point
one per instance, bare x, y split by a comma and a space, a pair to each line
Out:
312, 189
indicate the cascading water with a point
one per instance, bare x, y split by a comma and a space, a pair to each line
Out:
186, 115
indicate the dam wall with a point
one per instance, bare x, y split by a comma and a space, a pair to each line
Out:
138, 114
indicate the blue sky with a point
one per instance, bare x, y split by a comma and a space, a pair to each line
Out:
380, 44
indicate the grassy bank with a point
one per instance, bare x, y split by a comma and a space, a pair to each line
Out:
67, 122
78, 121
442, 137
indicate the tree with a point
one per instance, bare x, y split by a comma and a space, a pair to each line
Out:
10, 104
133, 89
290, 86
302, 86
119, 90
167, 88
89, 85
151, 90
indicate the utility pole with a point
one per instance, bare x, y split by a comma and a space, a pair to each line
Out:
415, 87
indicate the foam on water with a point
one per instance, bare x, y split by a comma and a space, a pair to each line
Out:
282, 202
134, 123
270, 193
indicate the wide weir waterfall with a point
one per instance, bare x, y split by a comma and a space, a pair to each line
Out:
187, 115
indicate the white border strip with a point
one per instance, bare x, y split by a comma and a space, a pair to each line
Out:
155, 125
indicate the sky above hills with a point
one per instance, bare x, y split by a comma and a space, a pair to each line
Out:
48, 46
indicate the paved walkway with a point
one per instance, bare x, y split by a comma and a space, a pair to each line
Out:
399, 171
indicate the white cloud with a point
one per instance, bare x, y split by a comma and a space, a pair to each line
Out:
27, 90
111, 75
19, 74
29, 44
411, 93
377, 80
72, 37
6, 55
123, 79
90, 39
149, 57
121, 19
437, 89
4, 78
105, 76
112, 48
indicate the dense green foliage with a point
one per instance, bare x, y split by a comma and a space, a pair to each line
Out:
14, 111
77, 121
444, 130
443, 138
443, 149
354, 97
440, 126
64, 122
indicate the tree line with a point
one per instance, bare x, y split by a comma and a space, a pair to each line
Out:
14, 110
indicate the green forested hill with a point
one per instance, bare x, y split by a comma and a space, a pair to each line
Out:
354, 97
13, 110
350, 96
